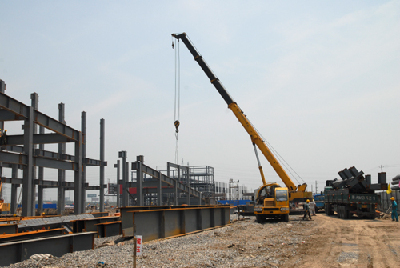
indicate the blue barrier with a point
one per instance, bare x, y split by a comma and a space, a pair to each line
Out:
45, 206
234, 202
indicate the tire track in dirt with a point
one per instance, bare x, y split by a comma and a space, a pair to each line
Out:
354, 242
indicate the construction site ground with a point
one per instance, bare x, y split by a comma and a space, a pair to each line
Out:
325, 241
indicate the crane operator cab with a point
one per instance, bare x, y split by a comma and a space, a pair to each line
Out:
272, 201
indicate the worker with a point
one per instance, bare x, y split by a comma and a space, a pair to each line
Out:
312, 208
394, 209
3, 137
307, 209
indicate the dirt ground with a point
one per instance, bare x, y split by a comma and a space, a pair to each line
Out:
335, 242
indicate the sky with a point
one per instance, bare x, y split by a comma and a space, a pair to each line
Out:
318, 79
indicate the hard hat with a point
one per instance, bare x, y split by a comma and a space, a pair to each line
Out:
392, 198
308, 200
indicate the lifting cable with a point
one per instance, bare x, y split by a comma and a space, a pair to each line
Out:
175, 45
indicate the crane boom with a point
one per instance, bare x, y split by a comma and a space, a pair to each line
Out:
233, 106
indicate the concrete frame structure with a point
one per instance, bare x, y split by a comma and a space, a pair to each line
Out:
27, 156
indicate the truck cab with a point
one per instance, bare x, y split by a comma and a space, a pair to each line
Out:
272, 201
319, 200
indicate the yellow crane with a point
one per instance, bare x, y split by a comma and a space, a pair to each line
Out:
296, 193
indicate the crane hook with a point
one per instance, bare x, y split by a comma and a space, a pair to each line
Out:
176, 124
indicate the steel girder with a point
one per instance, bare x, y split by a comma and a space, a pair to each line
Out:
22, 111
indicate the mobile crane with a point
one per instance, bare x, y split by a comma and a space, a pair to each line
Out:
296, 193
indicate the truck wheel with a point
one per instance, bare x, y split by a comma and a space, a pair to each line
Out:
259, 218
286, 218
346, 213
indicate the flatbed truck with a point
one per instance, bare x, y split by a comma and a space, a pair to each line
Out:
346, 204
353, 195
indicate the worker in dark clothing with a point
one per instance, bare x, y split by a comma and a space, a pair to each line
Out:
395, 215
307, 210
3, 137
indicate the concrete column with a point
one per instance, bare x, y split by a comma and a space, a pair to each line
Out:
78, 176
102, 123
199, 198
83, 117
61, 173
14, 190
27, 181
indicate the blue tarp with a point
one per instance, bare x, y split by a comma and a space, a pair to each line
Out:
234, 202
45, 206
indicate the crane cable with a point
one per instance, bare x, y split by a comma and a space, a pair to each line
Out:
175, 45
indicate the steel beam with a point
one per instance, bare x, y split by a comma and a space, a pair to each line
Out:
13, 140
161, 222
165, 178
61, 172
102, 143
50, 154
108, 229
188, 185
22, 159
122, 154
83, 125
9, 116
118, 184
20, 109
78, 177
13, 252
31, 235
14, 190
40, 177
9, 228
27, 183
139, 188
159, 191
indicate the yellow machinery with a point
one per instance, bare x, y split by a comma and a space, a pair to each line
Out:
272, 201
296, 193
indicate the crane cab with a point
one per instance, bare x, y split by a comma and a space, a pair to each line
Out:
272, 201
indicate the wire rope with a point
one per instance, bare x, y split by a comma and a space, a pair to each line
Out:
175, 45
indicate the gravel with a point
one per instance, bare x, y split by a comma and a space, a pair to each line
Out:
243, 243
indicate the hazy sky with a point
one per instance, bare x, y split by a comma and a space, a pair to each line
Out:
318, 79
